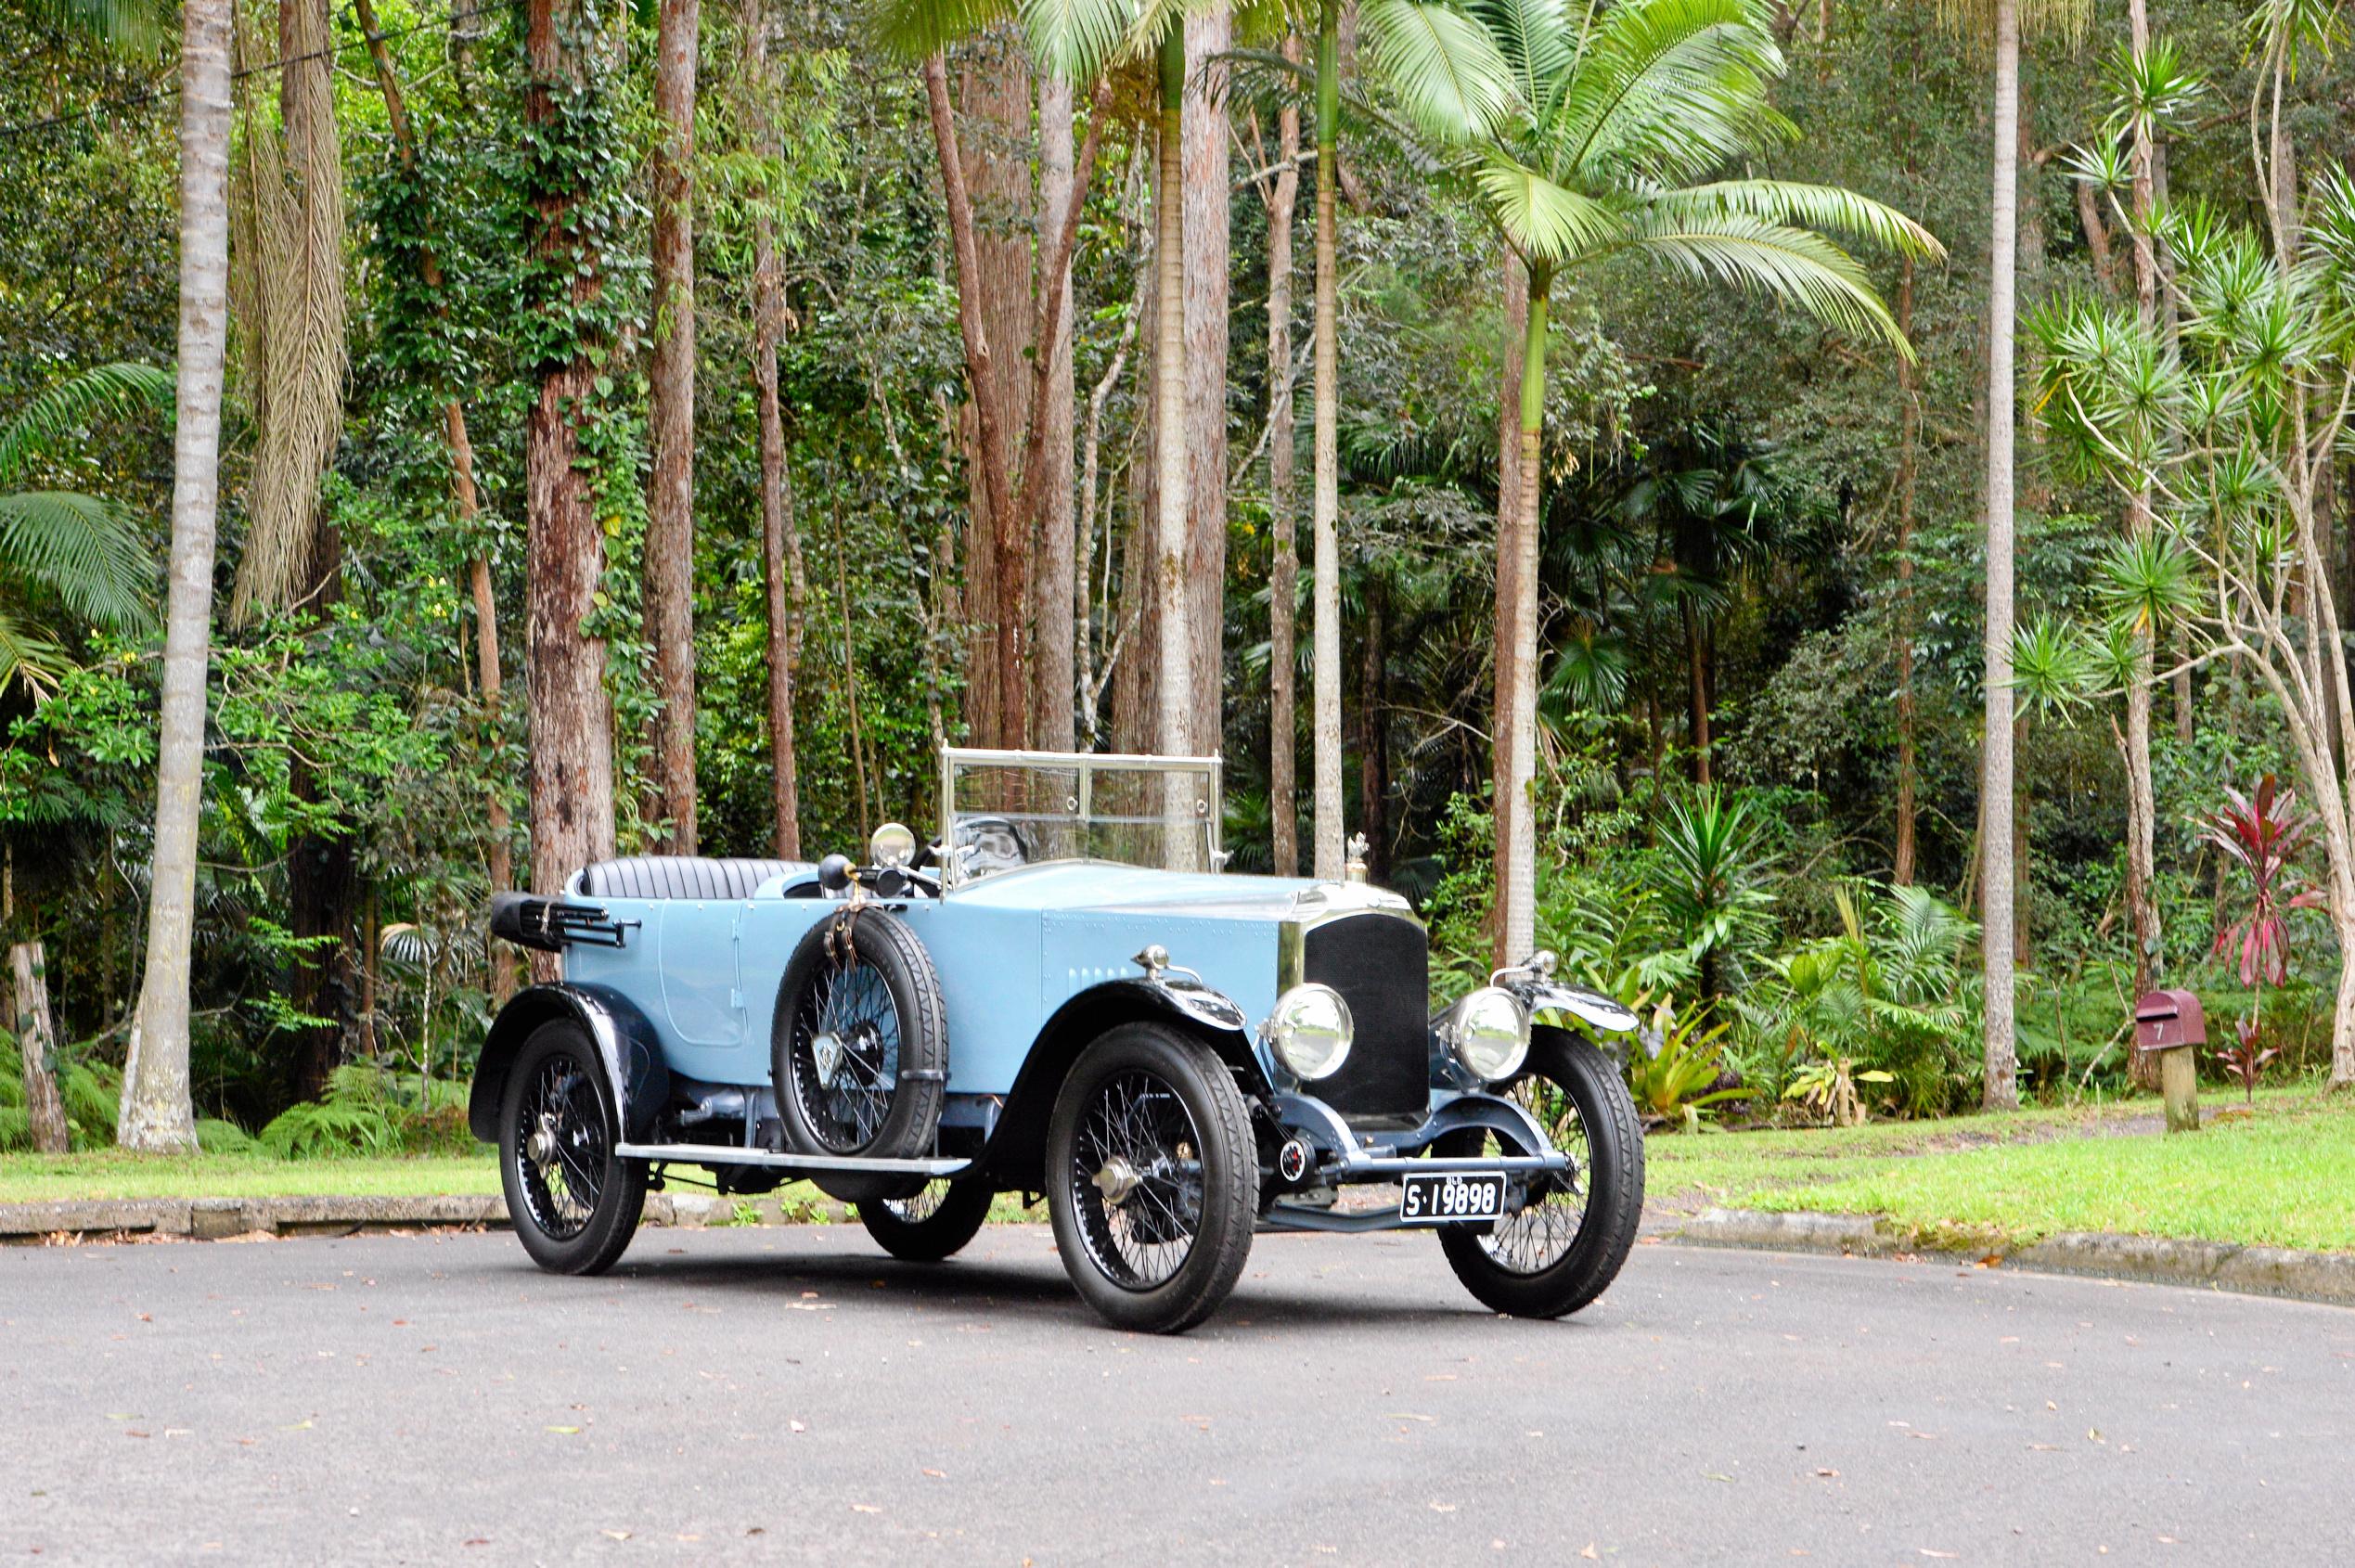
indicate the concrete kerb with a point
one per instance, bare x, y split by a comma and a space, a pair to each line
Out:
2246, 1270
207, 1219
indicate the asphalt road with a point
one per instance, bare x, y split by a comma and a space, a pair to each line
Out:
790, 1396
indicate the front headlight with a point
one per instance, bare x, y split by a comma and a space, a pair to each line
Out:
892, 844
1489, 1032
1310, 1030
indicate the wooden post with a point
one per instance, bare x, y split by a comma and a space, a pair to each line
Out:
2179, 1085
38, 1042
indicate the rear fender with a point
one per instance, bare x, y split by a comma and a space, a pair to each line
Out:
1015, 1159
627, 1043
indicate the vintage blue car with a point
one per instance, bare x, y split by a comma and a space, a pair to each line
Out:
1063, 995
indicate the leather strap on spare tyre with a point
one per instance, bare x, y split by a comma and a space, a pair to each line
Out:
860, 935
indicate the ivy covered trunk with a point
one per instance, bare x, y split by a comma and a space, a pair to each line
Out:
571, 746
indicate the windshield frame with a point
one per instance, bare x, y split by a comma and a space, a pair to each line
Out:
1087, 764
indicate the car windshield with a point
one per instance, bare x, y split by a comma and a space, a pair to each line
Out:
1005, 809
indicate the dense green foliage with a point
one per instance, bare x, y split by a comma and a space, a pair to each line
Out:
1721, 524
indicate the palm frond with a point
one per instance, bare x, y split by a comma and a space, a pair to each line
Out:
86, 550
1788, 264
914, 28
1534, 36
63, 408
1811, 206
30, 662
132, 26
1549, 225
1444, 68
1668, 89
1072, 39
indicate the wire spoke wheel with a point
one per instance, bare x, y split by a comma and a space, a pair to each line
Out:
1541, 1233
574, 1198
1564, 1238
1135, 1178
845, 1054
562, 1156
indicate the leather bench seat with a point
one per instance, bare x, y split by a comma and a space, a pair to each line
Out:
681, 876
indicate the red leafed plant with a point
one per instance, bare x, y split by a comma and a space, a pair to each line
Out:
2245, 1063
2263, 836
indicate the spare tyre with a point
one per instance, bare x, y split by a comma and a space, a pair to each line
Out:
859, 1048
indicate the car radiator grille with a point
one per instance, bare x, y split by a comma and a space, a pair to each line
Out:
1380, 964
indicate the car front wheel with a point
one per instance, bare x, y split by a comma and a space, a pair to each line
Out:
1152, 1178
1566, 1243
575, 1203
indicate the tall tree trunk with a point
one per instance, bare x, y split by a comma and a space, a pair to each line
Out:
1516, 719
1325, 675
1174, 701
287, 294
1696, 683
993, 501
1503, 803
1908, 448
784, 577
2000, 1089
1373, 753
1209, 34
1048, 487
571, 718
465, 500
1283, 588
998, 101
670, 502
1134, 716
2142, 904
156, 1115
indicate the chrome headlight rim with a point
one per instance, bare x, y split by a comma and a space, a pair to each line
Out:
1310, 1030
1488, 1034
891, 845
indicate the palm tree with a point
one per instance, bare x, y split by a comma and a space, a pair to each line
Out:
1324, 638
156, 1115
1586, 137
80, 551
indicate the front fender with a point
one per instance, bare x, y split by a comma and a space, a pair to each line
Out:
627, 1043
1016, 1148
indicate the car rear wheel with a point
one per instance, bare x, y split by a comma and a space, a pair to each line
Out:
1152, 1178
1565, 1246
575, 1203
934, 1224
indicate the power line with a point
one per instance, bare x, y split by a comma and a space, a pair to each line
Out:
138, 101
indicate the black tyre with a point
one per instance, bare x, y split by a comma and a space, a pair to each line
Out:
859, 1048
1566, 1245
575, 1203
1153, 1179
934, 1224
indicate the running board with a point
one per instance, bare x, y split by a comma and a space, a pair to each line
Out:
736, 1154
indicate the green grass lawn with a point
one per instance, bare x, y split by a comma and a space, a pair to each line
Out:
2282, 1177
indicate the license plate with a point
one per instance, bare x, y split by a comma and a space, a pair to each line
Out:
1451, 1196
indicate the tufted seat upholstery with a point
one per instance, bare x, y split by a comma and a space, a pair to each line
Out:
681, 876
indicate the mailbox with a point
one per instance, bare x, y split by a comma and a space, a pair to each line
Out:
2165, 1019
2168, 1024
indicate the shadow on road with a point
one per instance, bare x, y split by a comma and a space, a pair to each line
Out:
1023, 1289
